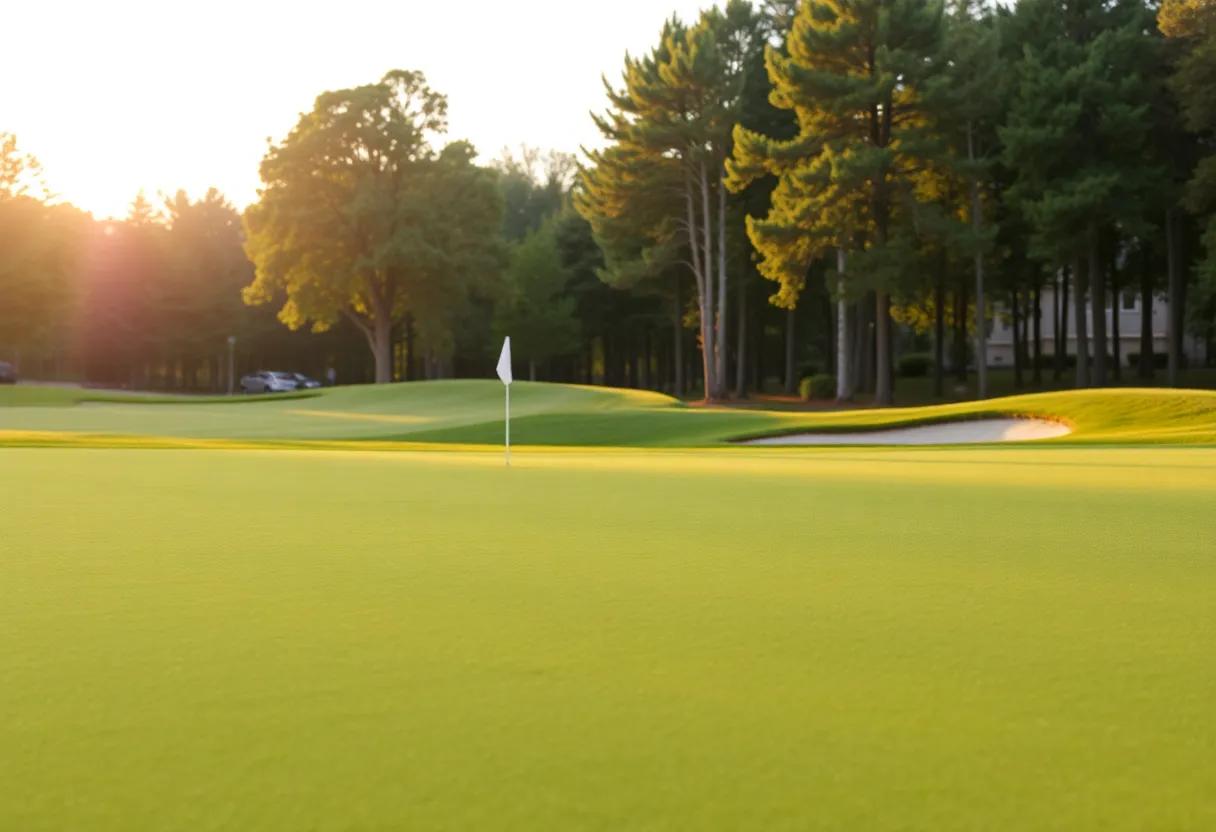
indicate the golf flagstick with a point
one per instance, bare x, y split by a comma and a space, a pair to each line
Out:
504, 373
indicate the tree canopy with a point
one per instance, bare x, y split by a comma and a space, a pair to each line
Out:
361, 217
784, 188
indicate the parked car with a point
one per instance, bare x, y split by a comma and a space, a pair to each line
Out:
304, 382
268, 382
8, 373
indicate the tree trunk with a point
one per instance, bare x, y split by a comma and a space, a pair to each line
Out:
700, 274
884, 393
712, 346
939, 334
1056, 288
756, 351
1082, 328
381, 340
960, 335
410, 362
631, 357
791, 371
1097, 291
844, 380
981, 328
645, 360
1146, 369
1116, 307
1173, 327
1067, 284
720, 336
678, 340
1038, 330
859, 363
1025, 295
741, 353
1018, 351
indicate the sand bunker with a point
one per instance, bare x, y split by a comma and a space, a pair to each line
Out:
952, 433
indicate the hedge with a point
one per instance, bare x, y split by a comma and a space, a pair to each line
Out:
819, 387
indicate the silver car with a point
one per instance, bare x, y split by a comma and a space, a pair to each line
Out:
304, 382
268, 382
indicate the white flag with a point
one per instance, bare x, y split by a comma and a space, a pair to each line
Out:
504, 362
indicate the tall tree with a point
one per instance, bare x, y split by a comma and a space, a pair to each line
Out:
1076, 136
671, 130
1191, 27
536, 312
969, 98
361, 217
534, 186
41, 251
854, 76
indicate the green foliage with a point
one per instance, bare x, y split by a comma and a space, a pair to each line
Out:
535, 311
361, 217
534, 187
818, 387
1191, 27
199, 294
42, 249
1160, 360
656, 196
916, 365
1077, 130
844, 177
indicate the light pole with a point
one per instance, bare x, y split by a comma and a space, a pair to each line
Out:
231, 364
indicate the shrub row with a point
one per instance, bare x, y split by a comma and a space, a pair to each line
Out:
818, 388
916, 365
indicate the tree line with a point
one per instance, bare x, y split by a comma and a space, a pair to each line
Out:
786, 189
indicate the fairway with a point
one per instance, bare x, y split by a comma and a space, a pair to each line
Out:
737, 639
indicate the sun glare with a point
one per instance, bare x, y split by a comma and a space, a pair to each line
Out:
106, 122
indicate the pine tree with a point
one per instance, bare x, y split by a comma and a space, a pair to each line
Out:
670, 129
1191, 27
1077, 138
855, 77
968, 95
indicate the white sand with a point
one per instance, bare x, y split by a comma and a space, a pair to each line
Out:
952, 433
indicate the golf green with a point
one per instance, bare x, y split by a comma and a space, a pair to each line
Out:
734, 639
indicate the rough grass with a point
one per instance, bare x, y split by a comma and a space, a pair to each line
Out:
471, 412
736, 639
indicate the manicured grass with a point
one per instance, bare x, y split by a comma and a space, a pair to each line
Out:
602, 640
36, 395
918, 391
21, 395
471, 412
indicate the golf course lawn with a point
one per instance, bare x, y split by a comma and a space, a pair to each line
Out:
470, 412
737, 639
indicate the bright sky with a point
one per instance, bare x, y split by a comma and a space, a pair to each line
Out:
118, 95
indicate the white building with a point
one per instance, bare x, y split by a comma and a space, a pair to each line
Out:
1130, 311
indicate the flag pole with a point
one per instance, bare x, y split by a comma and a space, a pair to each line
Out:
504, 375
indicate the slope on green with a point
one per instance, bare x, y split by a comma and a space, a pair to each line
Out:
659, 639
471, 412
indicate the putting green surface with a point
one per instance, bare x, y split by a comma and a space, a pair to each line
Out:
1010, 639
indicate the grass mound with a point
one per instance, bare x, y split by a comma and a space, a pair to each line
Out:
471, 413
